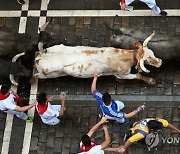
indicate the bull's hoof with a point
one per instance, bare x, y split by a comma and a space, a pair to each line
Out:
151, 81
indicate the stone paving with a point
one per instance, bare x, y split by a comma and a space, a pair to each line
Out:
81, 115
79, 118
86, 5
64, 138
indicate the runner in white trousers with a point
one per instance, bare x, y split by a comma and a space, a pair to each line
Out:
150, 3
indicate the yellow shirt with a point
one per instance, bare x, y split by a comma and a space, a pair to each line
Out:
142, 126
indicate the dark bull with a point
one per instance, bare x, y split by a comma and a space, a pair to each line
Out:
166, 47
7, 67
11, 44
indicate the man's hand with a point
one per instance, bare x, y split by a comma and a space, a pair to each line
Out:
103, 120
140, 108
62, 96
121, 149
34, 103
123, 6
105, 127
96, 74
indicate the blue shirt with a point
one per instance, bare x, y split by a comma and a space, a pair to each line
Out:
111, 110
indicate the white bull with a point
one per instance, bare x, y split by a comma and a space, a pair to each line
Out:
81, 61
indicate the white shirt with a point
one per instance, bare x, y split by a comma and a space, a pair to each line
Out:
8, 103
94, 150
50, 115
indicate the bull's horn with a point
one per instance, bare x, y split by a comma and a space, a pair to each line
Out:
14, 59
17, 56
148, 39
43, 27
40, 47
142, 66
11, 77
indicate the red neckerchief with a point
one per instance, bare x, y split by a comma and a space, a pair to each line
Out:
42, 108
85, 148
18, 100
2, 96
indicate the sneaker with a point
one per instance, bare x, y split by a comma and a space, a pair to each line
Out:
163, 13
29, 120
21, 2
128, 8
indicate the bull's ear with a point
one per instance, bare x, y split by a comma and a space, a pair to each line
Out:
137, 44
140, 54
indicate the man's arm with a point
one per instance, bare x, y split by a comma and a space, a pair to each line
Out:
111, 149
25, 108
132, 139
96, 126
133, 113
107, 138
93, 85
62, 97
171, 126
120, 149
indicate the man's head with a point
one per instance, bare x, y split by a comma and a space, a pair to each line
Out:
5, 88
153, 124
42, 98
106, 98
86, 140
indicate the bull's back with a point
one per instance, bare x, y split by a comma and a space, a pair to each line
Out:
66, 50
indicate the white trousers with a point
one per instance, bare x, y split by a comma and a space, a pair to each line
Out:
20, 115
53, 120
150, 3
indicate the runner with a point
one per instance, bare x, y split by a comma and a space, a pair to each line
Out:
50, 113
142, 128
112, 108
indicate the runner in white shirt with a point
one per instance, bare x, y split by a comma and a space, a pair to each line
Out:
88, 146
50, 113
9, 105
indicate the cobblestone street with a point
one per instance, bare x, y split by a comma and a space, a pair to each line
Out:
80, 116
83, 23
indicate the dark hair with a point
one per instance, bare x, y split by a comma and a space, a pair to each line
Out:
42, 98
86, 140
153, 124
106, 98
5, 88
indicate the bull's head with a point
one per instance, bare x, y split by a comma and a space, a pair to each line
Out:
44, 38
18, 70
149, 56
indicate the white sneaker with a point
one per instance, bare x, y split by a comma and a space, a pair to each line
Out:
129, 8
